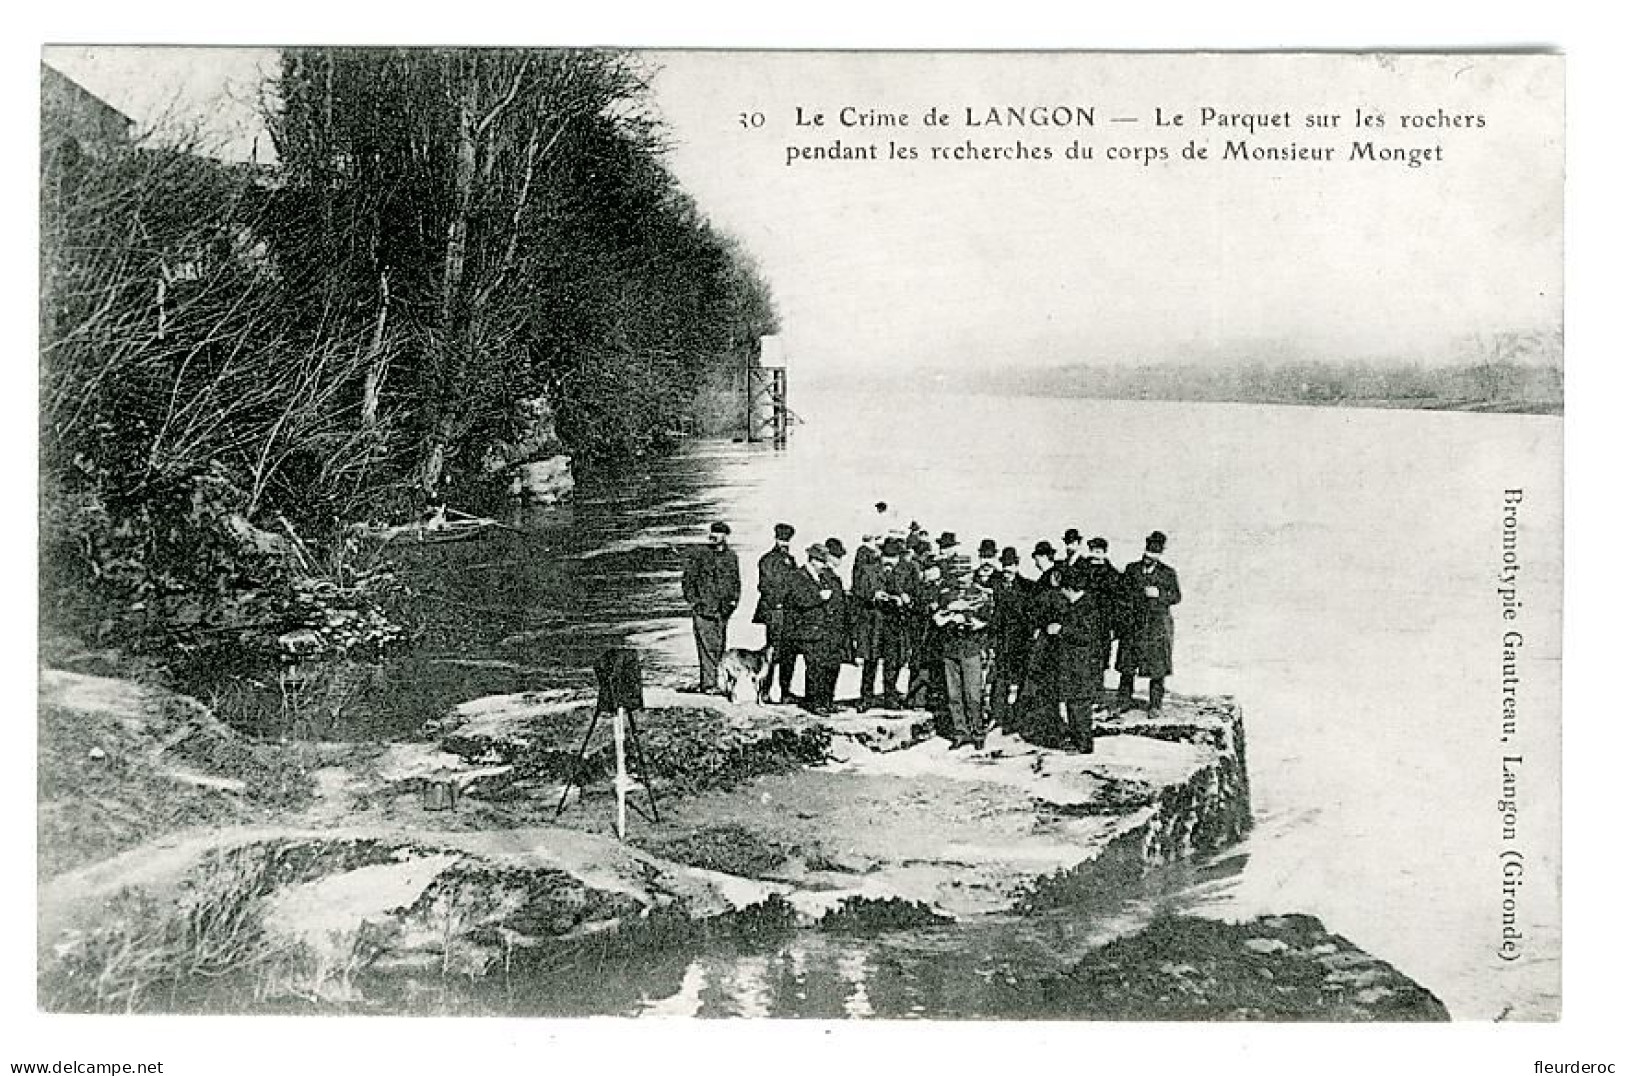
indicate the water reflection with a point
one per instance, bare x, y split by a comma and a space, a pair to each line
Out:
991, 967
534, 606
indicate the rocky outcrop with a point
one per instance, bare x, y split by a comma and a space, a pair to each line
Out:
1278, 967
544, 481
694, 742
535, 463
307, 912
769, 819
871, 806
329, 879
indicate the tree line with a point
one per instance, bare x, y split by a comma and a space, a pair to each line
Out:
237, 362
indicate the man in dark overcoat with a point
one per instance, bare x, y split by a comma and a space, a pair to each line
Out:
773, 572
836, 555
1150, 591
817, 626
711, 589
1034, 705
865, 578
1077, 630
925, 641
874, 643
1011, 633
1104, 584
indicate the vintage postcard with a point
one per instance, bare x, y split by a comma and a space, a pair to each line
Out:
939, 536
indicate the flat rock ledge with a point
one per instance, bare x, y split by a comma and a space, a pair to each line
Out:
870, 805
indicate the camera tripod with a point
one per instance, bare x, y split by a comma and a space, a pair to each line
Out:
627, 742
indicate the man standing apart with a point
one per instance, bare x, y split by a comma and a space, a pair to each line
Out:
773, 573
711, 588
1150, 591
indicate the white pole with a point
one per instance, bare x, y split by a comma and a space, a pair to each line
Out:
620, 772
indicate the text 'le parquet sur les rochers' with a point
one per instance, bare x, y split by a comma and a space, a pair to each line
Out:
1196, 135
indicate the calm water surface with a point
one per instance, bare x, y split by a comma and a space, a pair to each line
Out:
1338, 571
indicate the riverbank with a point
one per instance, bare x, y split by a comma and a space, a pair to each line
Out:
322, 877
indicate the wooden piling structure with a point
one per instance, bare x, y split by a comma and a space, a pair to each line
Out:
767, 395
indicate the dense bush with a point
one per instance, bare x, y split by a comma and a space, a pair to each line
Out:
239, 362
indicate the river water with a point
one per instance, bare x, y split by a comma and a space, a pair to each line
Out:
1338, 569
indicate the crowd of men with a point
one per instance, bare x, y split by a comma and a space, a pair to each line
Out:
974, 639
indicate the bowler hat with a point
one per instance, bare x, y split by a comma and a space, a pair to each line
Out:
988, 549
721, 528
1044, 549
947, 541
783, 532
1156, 541
835, 547
891, 547
1009, 556
1097, 542
1072, 535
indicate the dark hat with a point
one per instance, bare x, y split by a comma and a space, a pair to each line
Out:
1009, 556
1155, 541
817, 552
1097, 542
947, 540
783, 532
1072, 535
989, 548
891, 547
880, 506
836, 547
721, 528
1044, 549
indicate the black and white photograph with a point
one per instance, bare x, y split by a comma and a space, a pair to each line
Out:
546, 532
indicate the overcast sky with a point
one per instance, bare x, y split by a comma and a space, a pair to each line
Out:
1052, 261
969, 262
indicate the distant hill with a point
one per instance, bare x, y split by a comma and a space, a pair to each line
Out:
1500, 387
1518, 372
